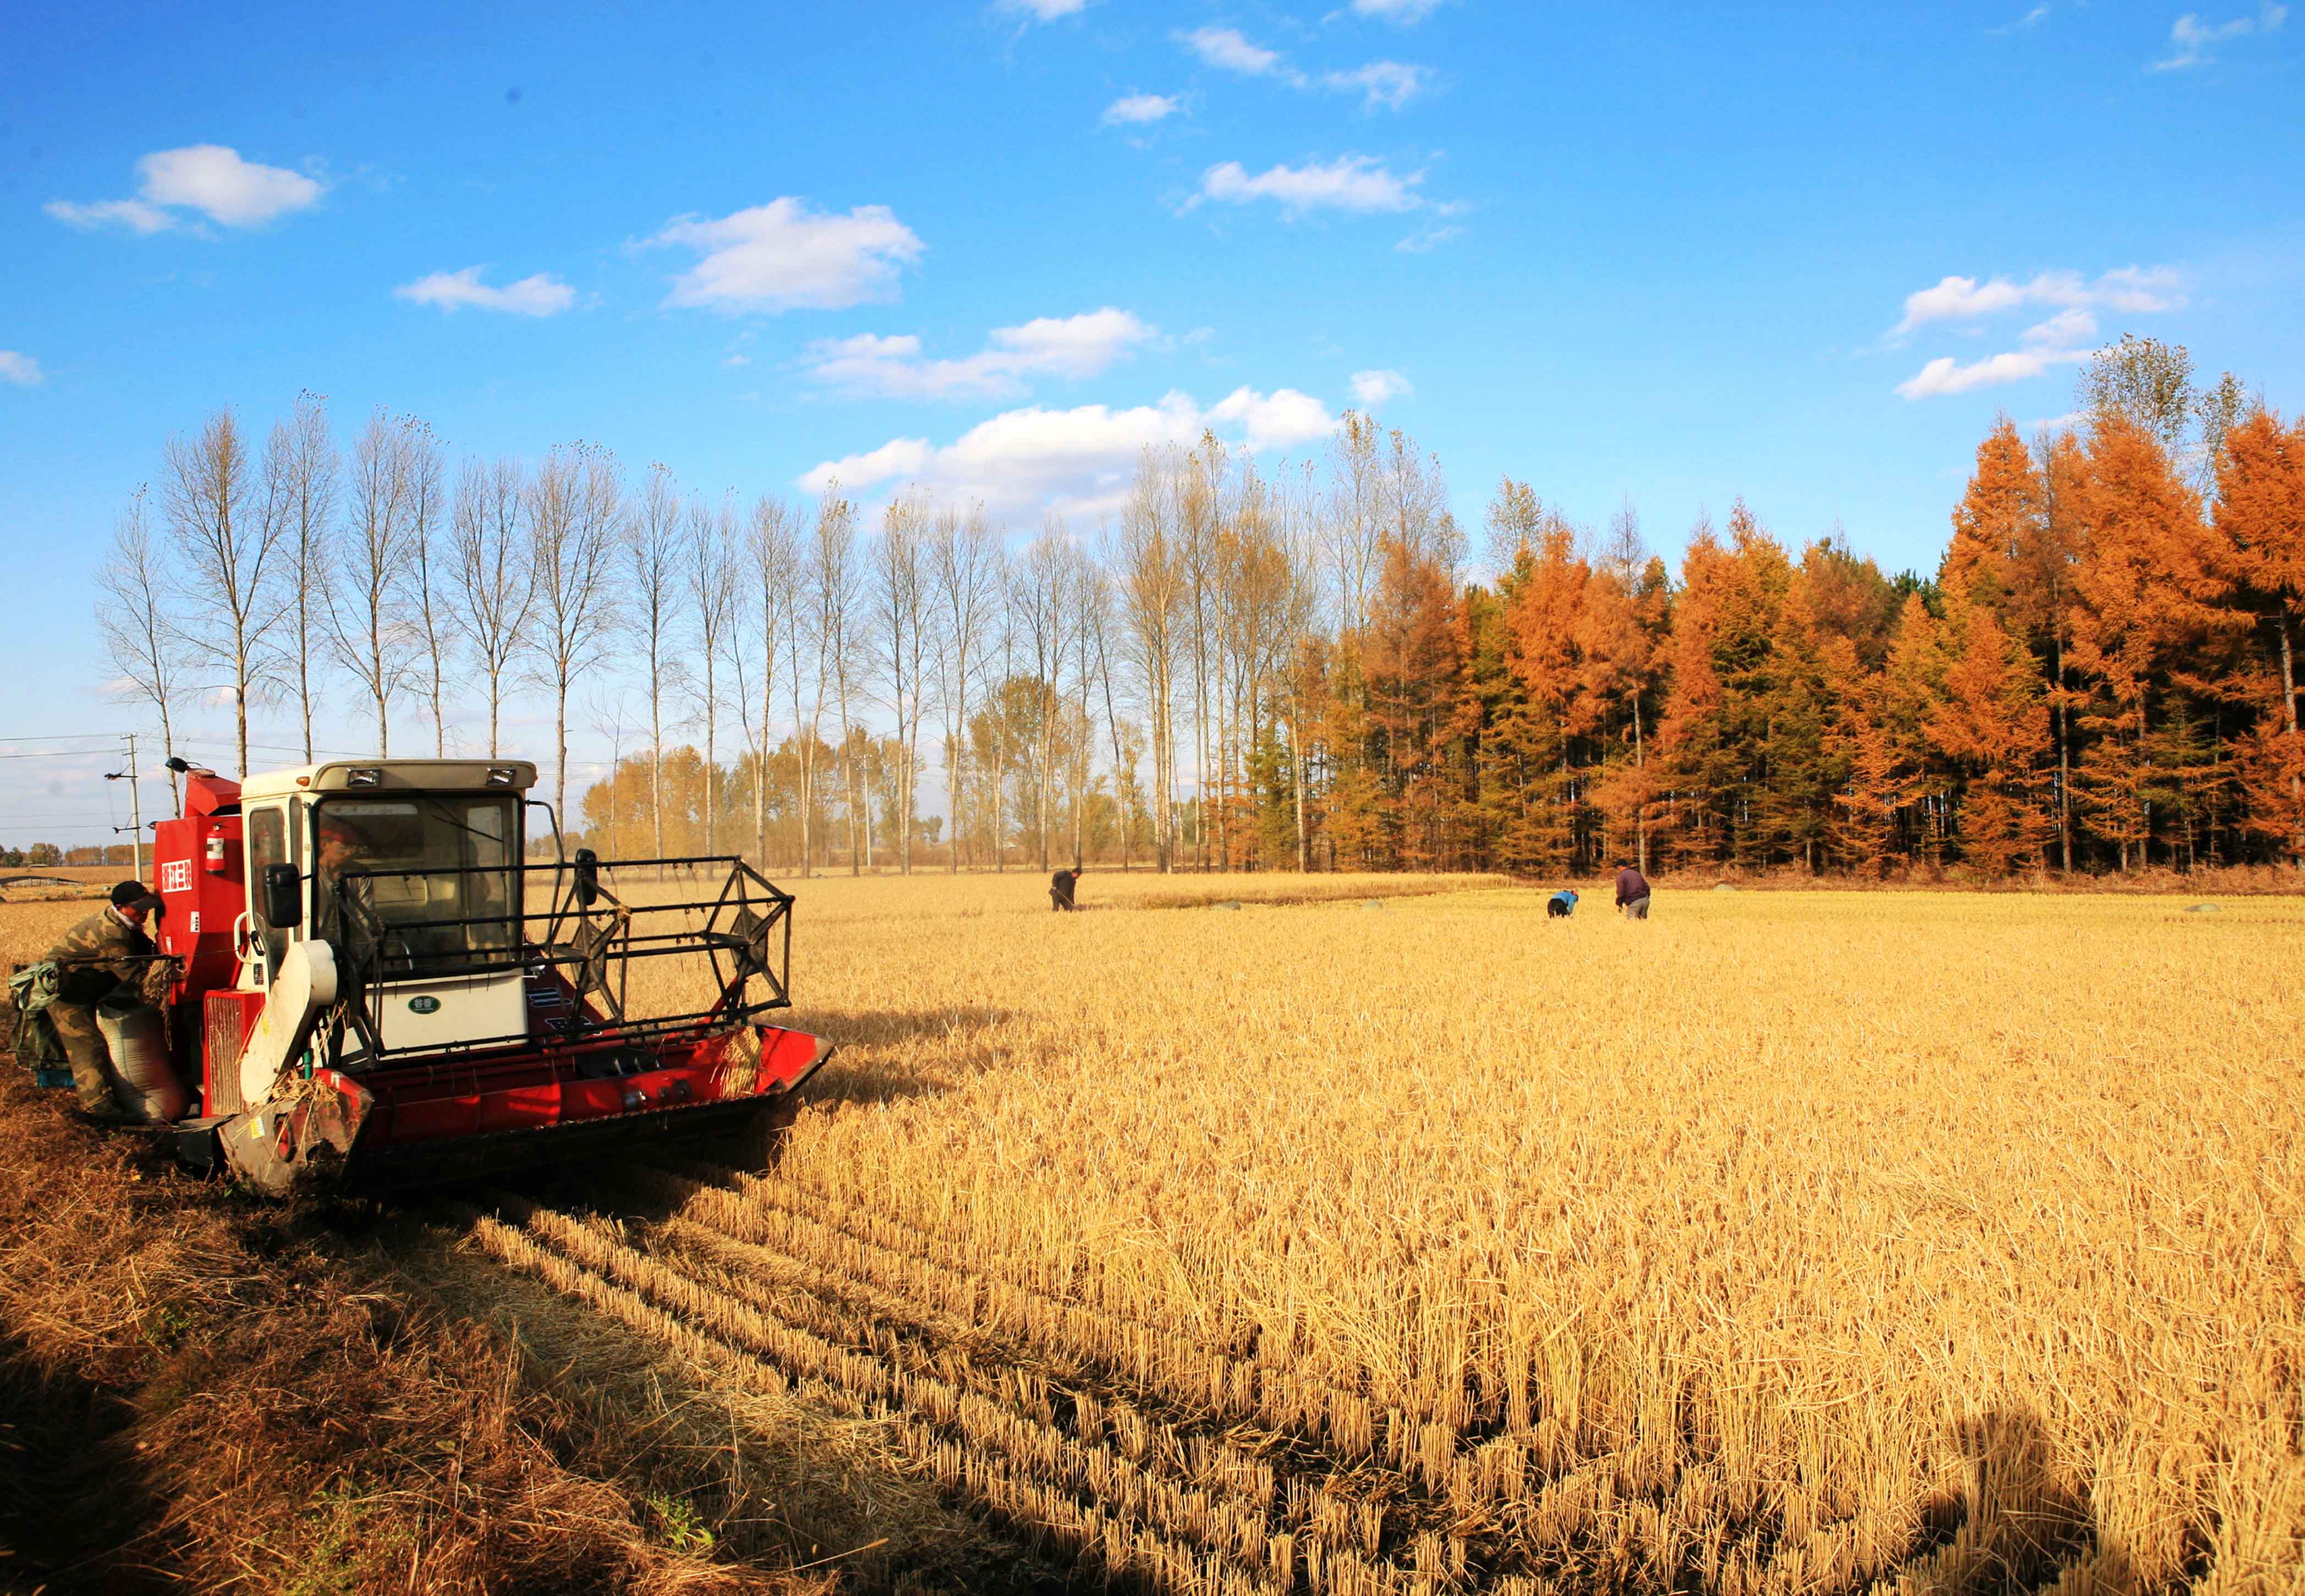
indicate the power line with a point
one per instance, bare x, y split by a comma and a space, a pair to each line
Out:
66, 737
62, 754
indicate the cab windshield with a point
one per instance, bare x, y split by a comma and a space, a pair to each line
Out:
409, 865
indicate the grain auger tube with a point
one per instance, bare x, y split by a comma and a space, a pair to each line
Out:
376, 990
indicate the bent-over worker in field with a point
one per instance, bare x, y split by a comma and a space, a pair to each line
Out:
1060, 889
1561, 905
105, 951
1632, 891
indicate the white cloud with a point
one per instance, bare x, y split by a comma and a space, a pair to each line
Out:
783, 256
1372, 388
1386, 84
2191, 39
2132, 289
1074, 462
1042, 11
1280, 419
1350, 183
211, 179
1133, 108
1404, 11
2057, 342
21, 369
870, 366
2067, 326
539, 295
1389, 84
1227, 48
134, 214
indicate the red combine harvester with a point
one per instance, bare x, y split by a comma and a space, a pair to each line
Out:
375, 990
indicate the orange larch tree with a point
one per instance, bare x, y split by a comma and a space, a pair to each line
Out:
2261, 514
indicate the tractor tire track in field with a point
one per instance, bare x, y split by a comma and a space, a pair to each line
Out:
1162, 1463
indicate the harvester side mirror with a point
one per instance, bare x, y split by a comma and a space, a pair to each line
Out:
283, 897
588, 878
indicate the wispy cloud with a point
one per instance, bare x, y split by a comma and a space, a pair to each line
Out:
1133, 109
1229, 50
1407, 13
1429, 240
1387, 85
2031, 18
870, 366
2192, 40
783, 256
1075, 461
1040, 11
1356, 183
21, 369
211, 180
2060, 341
2131, 289
1372, 388
542, 294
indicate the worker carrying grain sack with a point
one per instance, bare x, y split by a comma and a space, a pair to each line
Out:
1632, 891
1060, 890
107, 953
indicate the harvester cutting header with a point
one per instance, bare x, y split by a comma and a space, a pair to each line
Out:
369, 984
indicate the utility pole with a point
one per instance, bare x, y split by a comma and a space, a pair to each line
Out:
135, 808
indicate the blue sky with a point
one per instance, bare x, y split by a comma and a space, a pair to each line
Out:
1677, 255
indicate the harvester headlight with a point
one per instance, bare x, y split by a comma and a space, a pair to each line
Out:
500, 776
366, 776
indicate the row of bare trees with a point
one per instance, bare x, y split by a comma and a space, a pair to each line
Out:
286, 577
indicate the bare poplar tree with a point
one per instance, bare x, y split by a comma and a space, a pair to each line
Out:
899, 610
1097, 624
226, 559
575, 513
965, 575
653, 566
300, 471
711, 551
1353, 519
1041, 600
133, 605
763, 621
431, 633
491, 587
832, 620
369, 625
1151, 597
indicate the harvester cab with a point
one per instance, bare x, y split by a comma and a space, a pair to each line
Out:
375, 988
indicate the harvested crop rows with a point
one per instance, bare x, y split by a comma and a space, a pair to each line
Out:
1873, 1258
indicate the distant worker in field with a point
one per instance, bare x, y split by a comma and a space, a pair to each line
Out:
1060, 890
1632, 891
107, 950
1561, 905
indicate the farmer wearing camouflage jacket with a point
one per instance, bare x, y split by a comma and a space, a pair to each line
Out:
101, 952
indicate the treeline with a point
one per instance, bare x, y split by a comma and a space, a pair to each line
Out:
1248, 668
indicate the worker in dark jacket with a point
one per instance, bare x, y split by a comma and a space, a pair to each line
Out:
106, 950
1060, 890
1632, 891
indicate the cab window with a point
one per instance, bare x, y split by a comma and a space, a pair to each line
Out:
432, 877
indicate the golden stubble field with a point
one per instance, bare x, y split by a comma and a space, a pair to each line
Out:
1787, 1242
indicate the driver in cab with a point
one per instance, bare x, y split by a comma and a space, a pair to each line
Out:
342, 847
